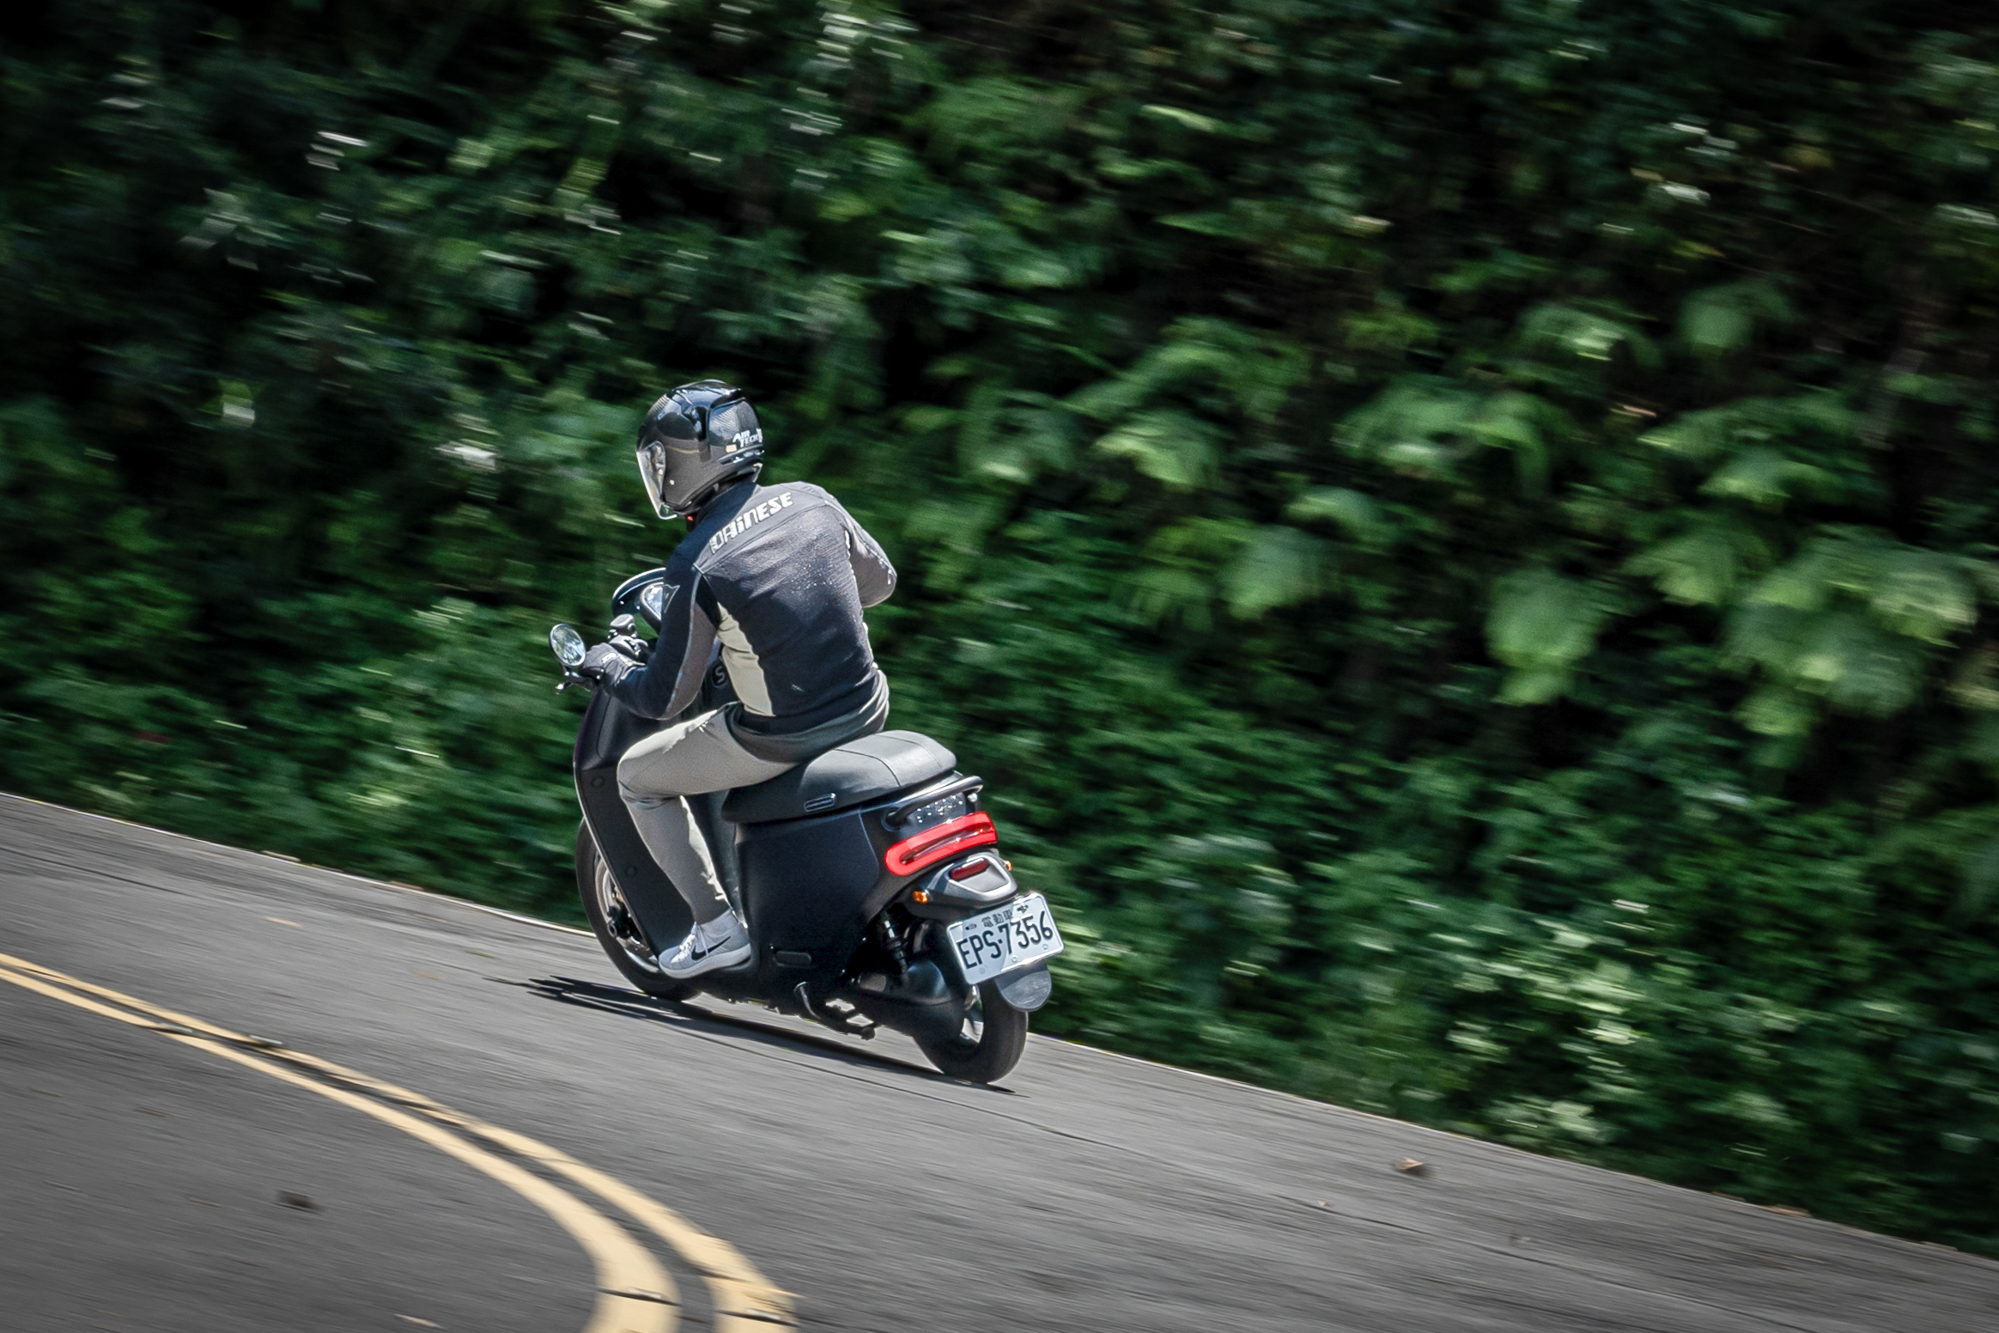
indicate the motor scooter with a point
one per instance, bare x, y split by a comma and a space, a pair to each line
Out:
870, 879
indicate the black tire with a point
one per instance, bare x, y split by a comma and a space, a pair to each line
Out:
987, 1045
617, 931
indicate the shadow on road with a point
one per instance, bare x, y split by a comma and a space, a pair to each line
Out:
635, 1004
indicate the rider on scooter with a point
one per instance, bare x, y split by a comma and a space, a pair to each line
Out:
778, 574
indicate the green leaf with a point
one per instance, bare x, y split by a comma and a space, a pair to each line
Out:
1764, 476
1778, 710
1718, 320
1813, 422
1698, 435
1702, 567
1542, 625
1839, 654
1206, 224
1173, 448
1354, 512
1253, 371
1712, 327
1278, 566
1428, 426
1181, 116
1587, 334
1923, 594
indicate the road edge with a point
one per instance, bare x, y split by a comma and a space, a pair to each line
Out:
393, 885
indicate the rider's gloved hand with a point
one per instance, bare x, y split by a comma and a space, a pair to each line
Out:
605, 660
630, 645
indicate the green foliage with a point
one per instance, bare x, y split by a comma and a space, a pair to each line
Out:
1462, 538
1541, 625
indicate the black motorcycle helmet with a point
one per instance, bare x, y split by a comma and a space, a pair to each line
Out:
696, 440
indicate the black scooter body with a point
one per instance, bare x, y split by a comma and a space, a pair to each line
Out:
809, 887
846, 932
609, 730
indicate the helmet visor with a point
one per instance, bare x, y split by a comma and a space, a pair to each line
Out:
652, 471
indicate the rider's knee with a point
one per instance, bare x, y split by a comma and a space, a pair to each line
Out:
637, 792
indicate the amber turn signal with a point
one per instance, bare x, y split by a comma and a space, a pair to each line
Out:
921, 895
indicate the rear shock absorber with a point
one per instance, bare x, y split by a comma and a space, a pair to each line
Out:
891, 940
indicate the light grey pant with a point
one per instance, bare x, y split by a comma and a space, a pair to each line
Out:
657, 775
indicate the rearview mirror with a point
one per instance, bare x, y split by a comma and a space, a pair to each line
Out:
568, 646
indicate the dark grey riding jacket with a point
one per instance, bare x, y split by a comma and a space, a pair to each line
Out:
779, 575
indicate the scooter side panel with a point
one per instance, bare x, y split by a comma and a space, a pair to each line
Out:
609, 730
806, 881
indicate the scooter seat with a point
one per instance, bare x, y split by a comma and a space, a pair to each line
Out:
847, 775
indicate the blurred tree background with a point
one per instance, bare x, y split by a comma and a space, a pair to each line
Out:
1460, 531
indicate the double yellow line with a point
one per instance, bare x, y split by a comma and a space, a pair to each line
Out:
634, 1293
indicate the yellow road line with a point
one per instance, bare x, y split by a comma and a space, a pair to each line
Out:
622, 1264
742, 1296
635, 1295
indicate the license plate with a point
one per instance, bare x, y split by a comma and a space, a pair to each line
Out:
1005, 938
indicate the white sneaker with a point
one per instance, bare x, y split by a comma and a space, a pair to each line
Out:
710, 945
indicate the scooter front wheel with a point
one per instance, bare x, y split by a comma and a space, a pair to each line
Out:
988, 1042
616, 929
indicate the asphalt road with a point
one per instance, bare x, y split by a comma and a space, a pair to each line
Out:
161, 1177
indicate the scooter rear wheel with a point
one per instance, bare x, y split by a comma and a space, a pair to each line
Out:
988, 1043
616, 929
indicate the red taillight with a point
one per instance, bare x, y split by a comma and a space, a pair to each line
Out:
940, 842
